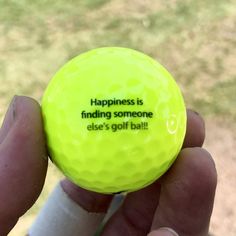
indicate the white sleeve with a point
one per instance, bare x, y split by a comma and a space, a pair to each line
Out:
62, 216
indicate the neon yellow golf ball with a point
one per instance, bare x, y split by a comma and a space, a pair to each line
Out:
114, 119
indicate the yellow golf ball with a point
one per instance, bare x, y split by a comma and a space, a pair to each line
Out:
114, 119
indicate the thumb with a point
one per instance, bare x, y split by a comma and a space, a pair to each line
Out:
23, 160
163, 232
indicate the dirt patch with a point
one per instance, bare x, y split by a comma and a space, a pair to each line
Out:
221, 142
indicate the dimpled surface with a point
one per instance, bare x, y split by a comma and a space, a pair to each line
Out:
109, 160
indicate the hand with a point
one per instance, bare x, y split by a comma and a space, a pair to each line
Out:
182, 199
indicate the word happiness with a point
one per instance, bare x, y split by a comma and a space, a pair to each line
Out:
115, 114
115, 102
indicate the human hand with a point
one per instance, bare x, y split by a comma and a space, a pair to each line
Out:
182, 199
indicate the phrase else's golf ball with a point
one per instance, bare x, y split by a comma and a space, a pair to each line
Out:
114, 119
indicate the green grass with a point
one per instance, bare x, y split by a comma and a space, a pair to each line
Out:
221, 100
195, 40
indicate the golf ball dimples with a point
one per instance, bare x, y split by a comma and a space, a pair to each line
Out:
114, 120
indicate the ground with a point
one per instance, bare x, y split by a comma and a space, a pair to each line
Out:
195, 40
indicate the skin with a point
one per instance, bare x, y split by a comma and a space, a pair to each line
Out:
182, 199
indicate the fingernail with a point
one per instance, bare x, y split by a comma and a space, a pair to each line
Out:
195, 112
164, 231
9, 119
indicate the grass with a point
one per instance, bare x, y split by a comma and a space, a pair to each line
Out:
195, 40
42, 33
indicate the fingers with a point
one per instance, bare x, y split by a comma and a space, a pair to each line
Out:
23, 161
195, 132
185, 203
71, 210
90, 201
187, 194
136, 213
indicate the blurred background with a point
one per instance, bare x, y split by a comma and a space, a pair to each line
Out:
195, 40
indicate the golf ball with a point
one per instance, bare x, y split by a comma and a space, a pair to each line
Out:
114, 119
